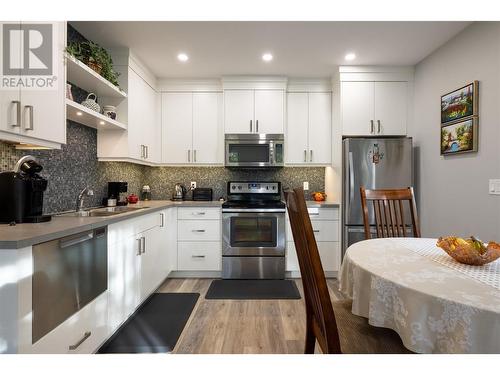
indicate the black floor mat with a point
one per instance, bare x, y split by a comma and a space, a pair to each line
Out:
155, 327
253, 289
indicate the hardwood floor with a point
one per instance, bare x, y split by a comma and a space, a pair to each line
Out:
241, 327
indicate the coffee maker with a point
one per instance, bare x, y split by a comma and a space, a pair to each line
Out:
21, 193
116, 190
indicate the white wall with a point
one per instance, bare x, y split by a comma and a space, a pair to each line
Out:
453, 191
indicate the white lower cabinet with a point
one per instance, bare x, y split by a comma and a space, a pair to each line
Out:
82, 333
199, 239
326, 226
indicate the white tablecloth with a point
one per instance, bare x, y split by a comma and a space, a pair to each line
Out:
434, 308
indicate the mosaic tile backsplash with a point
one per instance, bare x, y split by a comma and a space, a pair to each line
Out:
75, 166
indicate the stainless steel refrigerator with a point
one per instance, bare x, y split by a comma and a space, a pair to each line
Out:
375, 163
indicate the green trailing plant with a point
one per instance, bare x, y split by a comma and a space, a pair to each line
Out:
96, 57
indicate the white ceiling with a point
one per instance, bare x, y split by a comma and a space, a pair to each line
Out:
300, 49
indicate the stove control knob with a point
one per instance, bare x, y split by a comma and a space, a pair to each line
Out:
274, 187
239, 187
233, 187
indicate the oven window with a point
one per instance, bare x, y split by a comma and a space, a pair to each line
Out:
253, 232
248, 153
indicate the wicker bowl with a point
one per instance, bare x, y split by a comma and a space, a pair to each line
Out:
470, 251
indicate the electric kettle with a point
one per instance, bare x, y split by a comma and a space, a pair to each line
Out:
179, 192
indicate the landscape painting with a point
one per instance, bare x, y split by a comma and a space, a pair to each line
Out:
459, 137
459, 103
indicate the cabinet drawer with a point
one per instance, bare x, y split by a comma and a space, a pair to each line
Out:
91, 319
323, 213
329, 253
197, 213
323, 231
199, 256
198, 230
131, 227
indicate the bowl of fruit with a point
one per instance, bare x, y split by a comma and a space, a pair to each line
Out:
318, 196
471, 251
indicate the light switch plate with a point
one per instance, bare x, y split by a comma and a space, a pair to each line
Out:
306, 185
494, 187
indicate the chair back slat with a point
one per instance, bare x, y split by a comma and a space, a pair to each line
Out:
388, 212
319, 309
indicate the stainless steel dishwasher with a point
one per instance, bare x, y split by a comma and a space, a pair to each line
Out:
68, 273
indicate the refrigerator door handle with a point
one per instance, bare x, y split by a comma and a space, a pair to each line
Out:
351, 184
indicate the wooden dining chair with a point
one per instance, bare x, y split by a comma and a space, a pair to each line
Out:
332, 325
388, 210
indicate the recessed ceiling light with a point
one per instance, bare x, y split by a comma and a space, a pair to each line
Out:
102, 123
350, 56
267, 57
182, 57
78, 113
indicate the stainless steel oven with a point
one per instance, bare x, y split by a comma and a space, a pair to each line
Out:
253, 232
254, 150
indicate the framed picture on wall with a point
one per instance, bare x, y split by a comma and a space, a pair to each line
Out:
459, 137
460, 103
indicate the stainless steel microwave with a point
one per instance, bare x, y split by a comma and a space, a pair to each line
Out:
254, 150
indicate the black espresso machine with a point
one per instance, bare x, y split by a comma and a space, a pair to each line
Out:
21, 193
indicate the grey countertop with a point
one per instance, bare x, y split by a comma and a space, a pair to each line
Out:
23, 235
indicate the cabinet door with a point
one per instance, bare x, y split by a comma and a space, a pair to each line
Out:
239, 111
391, 107
136, 125
297, 128
44, 109
10, 99
207, 128
269, 111
123, 280
320, 128
177, 127
357, 104
152, 261
152, 125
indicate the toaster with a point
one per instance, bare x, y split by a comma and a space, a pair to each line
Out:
202, 194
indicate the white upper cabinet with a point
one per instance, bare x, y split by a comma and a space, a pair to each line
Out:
391, 107
269, 111
374, 108
239, 111
254, 111
357, 108
192, 128
207, 128
35, 115
177, 127
309, 128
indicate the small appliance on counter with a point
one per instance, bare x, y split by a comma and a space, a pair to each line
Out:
146, 193
202, 194
21, 193
117, 193
179, 192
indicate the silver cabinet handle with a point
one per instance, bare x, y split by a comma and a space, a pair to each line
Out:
378, 124
311, 156
30, 117
313, 213
316, 230
250, 126
198, 256
162, 220
189, 156
194, 155
305, 156
372, 127
198, 230
143, 245
257, 126
18, 113
199, 213
139, 251
147, 151
85, 337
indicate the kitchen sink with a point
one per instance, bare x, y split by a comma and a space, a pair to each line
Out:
104, 211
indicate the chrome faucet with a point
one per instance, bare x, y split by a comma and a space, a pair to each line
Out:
79, 201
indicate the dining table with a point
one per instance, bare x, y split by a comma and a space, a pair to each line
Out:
434, 303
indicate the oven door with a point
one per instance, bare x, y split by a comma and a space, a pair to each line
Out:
253, 233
